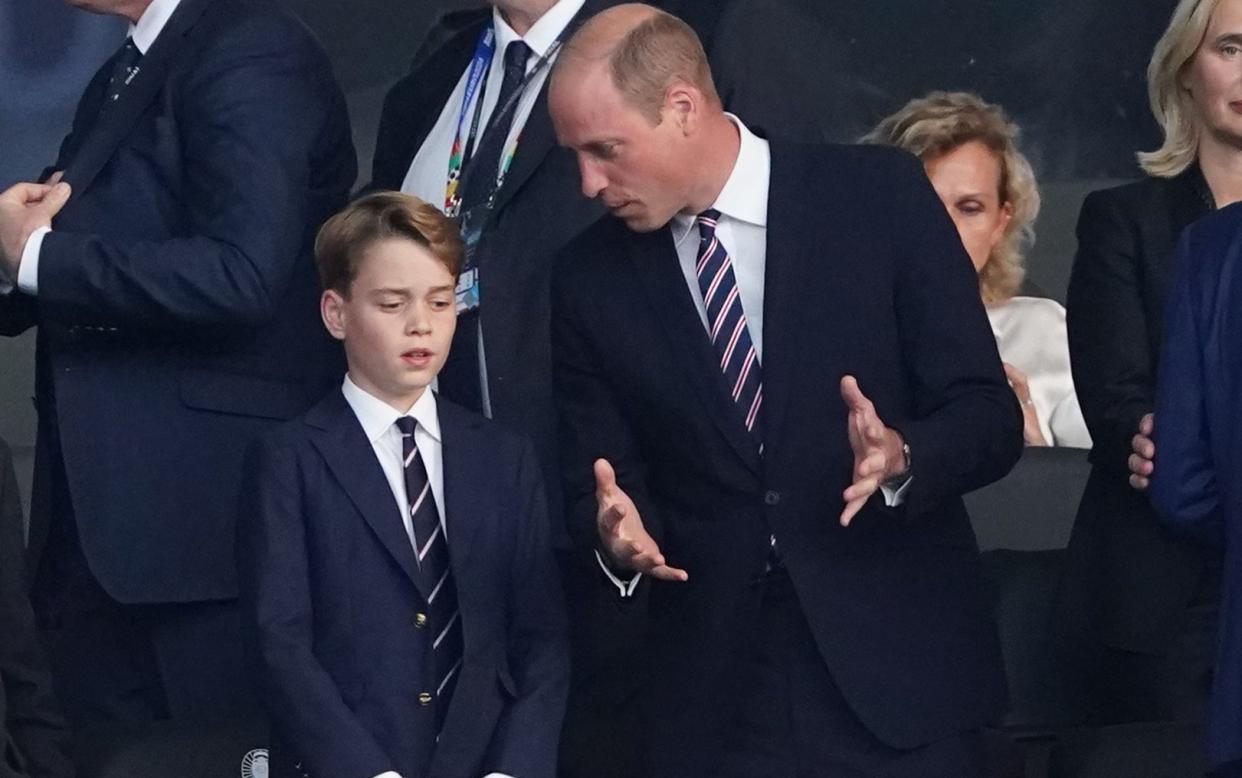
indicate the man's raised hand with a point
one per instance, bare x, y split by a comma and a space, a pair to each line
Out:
621, 530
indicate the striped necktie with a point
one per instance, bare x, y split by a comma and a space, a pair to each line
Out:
726, 323
435, 573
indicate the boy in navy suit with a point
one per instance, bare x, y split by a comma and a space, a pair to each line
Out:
396, 570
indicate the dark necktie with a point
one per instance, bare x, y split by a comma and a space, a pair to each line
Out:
124, 68
485, 162
726, 322
442, 620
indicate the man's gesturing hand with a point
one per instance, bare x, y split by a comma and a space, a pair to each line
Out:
878, 455
621, 529
25, 208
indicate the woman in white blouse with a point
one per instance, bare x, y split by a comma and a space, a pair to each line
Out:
969, 149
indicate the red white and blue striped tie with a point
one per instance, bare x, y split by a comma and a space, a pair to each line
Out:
726, 324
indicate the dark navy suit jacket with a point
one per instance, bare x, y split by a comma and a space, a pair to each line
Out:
177, 301
865, 275
1198, 436
329, 596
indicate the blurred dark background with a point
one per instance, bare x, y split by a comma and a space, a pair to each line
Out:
1071, 72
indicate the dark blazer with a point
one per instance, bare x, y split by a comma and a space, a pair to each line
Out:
865, 275
33, 735
1128, 580
329, 595
538, 210
177, 307
1198, 440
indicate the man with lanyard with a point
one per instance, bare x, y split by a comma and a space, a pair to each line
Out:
468, 128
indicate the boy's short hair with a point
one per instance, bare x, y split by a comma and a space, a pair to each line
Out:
345, 238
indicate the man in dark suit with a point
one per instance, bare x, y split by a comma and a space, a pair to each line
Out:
1194, 486
801, 623
408, 619
175, 300
33, 736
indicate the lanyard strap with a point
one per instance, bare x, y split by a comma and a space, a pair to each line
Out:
463, 148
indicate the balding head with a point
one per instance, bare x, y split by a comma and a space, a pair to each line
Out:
632, 95
644, 50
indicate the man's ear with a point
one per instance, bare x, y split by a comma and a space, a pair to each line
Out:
332, 310
684, 103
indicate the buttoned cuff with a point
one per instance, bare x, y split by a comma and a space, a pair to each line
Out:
28, 271
624, 588
389, 774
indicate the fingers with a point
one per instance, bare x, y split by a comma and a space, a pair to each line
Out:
1143, 446
55, 178
870, 465
666, 573
861, 490
1140, 466
853, 395
1139, 483
54, 200
605, 478
25, 193
1146, 424
852, 507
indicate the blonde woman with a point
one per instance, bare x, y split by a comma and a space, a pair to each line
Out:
969, 149
1143, 600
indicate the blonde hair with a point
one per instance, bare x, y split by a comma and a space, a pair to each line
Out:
344, 238
940, 122
1171, 103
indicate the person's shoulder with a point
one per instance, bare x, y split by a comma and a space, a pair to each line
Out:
863, 159
599, 246
246, 28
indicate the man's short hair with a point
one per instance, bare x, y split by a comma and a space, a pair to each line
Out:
345, 238
657, 53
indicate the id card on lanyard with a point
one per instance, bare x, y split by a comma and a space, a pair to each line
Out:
464, 142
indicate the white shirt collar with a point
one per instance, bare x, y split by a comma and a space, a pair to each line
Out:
377, 417
542, 34
745, 193
151, 23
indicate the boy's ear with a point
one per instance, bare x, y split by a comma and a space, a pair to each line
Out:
332, 309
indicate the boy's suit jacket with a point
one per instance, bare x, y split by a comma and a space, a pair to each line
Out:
328, 587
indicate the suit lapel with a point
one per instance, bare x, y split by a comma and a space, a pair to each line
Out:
538, 138
655, 261
782, 300
113, 126
465, 482
350, 457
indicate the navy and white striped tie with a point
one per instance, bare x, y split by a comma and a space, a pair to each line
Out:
726, 324
434, 570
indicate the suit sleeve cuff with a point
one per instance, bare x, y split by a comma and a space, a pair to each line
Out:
625, 588
894, 496
28, 271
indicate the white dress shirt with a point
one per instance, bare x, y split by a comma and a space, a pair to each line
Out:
427, 177
742, 230
1031, 336
379, 423
143, 33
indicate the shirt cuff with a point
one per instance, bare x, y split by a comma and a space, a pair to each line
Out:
28, 271
498, 775
894, 497
625, 588
389, 774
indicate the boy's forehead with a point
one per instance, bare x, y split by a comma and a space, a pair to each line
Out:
403, 263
